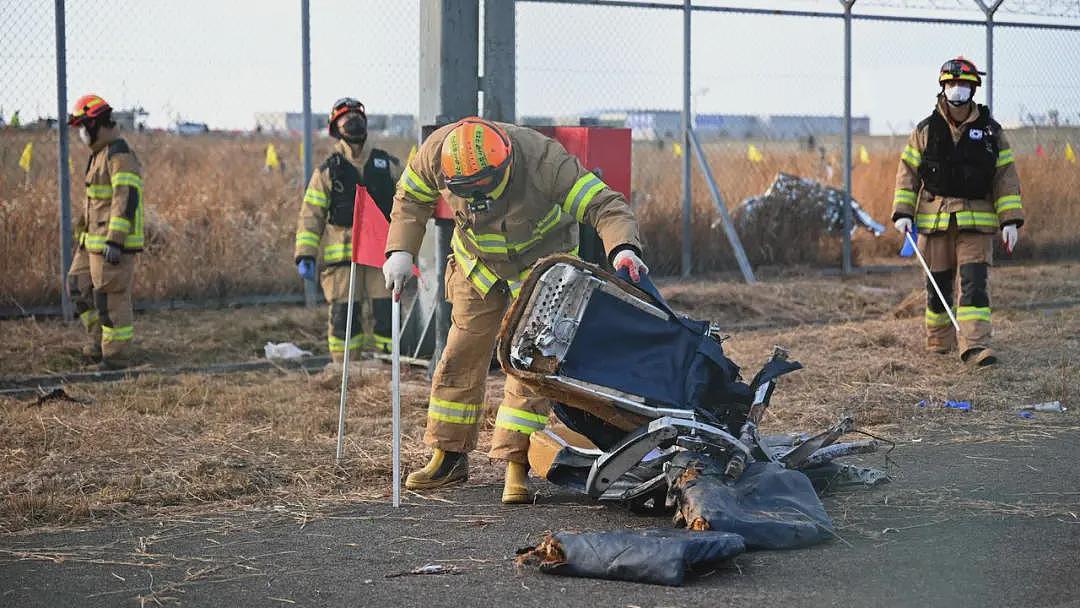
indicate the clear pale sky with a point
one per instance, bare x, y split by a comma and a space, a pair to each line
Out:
219, 62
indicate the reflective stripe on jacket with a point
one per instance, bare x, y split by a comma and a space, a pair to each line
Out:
549, 193
312, 229
113, 212
932, 213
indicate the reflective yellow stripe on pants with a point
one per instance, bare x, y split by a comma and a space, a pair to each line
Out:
453, 412
520, 420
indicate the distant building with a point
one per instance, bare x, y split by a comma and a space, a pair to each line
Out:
287, 122
667, 124
129, 120
190, 128
392, 126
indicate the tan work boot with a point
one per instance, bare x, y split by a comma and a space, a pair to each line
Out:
515, 486
979, 357
444, 469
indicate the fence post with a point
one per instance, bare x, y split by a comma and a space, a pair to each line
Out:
846, 262
311, 293
989, 11
687, 208
63, 171
499, 60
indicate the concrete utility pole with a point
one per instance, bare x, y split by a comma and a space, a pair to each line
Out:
499, 64
449, 87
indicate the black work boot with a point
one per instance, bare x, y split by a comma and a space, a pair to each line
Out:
444, 469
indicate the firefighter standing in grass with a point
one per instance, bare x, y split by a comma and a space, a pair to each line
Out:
326, 217
108, 234
517, 196
957, 180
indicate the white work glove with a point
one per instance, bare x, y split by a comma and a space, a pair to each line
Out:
396, 271
903, 225
631, 262
1009, 236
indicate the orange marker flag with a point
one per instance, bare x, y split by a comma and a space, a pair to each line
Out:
369, 232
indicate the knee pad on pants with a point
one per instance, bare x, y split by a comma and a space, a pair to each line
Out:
945, 280
339, 316
973, 285
381, 310
101, 303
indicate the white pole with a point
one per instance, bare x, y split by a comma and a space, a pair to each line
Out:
930, 276
395, 393
345, 368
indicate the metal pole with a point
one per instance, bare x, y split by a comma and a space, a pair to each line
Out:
725, 217
989, 10
846, 262
311, 294
395, 395
499, 60
687, 207
63, 172
345, 367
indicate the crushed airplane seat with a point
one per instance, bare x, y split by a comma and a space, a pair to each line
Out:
657, 417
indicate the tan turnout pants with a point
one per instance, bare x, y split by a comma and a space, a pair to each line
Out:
81, 292
112, 299
965, 255
371, 310
457, 387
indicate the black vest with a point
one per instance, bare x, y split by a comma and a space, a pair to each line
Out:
344, 178
965, 169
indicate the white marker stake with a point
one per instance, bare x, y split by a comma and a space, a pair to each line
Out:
941, 298
395, 393
345, 370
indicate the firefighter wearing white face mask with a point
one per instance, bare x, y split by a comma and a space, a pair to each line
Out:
957, 186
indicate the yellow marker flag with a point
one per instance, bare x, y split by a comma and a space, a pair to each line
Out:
753, 154
412, 153
271, 157
1070, 155
864, 156
676, 148
27, 156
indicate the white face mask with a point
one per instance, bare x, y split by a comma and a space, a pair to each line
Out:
957, 94
84, 135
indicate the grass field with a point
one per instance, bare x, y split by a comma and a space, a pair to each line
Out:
218, 225
170, 445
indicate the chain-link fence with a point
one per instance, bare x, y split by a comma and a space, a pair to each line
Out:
210, 97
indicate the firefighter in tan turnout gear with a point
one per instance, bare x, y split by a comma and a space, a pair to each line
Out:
325, 221
108, 234
517, 196
957, 180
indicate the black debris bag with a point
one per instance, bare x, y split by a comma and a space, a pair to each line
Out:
769, 506
655, 556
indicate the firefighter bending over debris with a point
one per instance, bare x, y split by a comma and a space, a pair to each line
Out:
957, 179
326, 217
517, 196
108, 234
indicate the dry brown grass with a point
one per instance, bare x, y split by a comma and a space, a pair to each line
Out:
220, 226
169, 445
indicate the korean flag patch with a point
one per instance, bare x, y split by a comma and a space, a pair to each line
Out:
975, 134
380, 163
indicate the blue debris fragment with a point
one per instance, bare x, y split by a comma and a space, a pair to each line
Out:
1025, 414
963, 406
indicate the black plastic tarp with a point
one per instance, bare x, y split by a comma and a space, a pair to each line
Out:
769, 506
656, 556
